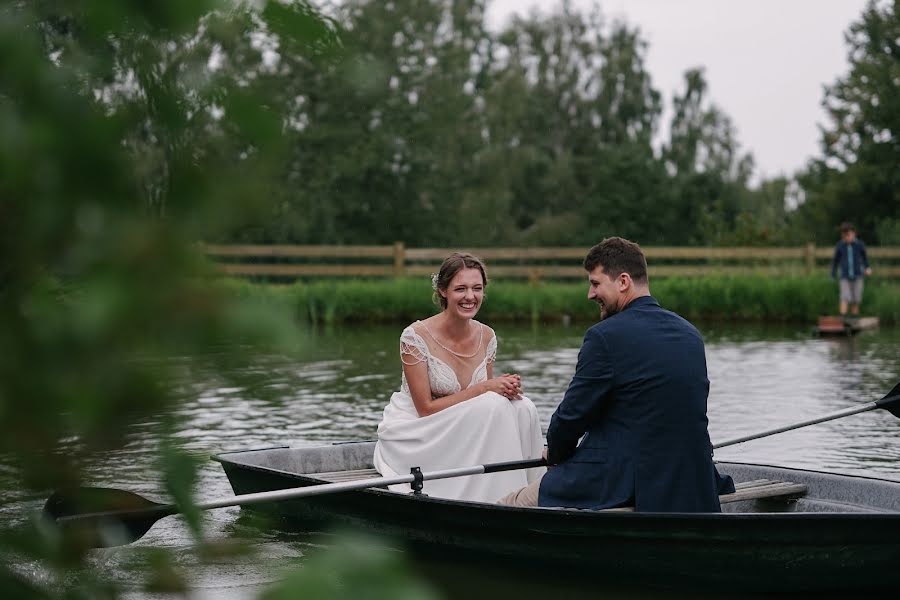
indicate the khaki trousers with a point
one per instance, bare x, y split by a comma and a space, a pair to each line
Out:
526, 497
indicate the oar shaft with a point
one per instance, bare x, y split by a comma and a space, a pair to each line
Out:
348, 486
829, 417
331, 488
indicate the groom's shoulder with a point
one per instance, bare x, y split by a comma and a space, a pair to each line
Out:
619, 322
602, 330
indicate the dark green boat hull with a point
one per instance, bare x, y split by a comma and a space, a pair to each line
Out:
782, 550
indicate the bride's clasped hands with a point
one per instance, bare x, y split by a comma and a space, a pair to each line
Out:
508, 385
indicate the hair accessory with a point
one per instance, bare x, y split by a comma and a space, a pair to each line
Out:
434, 280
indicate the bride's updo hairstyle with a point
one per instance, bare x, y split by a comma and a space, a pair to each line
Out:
452, 265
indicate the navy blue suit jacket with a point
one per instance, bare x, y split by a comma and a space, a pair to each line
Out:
639, 394
849, 268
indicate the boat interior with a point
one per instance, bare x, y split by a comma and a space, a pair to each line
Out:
759, 488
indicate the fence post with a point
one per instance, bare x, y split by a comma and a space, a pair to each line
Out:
399, 259
810, 255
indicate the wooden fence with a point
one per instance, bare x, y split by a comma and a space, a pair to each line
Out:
282, 262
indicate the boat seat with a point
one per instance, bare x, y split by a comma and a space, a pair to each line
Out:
757, 489
763, 488
337, 476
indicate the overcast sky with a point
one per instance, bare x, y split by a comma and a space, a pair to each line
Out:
765, 61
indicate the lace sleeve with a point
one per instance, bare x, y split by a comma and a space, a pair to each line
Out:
412, 345
492, 348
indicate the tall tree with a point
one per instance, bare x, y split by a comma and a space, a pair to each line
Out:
857, 177
388, 133
628, 182
587, 113
709, 172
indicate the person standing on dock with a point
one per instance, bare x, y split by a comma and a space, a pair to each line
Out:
637, 403
850, 257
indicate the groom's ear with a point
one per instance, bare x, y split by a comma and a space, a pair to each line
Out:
625, 282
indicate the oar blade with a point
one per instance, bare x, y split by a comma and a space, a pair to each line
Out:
92, 517
891, 401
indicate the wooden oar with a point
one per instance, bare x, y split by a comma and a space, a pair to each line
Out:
890, 403
103, 517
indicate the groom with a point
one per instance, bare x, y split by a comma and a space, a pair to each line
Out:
638, 398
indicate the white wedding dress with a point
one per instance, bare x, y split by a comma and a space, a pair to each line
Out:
485, 429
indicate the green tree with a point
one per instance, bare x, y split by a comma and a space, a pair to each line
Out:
585, 113
708, 170
763, 218
387, 134
857, 178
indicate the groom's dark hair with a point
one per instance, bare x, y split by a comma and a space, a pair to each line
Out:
616, 256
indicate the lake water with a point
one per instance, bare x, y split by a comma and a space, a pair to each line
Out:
336, 389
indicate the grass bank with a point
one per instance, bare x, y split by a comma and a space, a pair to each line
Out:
748, 298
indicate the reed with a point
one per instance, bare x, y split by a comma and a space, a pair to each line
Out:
727, 298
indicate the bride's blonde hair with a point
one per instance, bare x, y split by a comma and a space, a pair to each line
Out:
452, 265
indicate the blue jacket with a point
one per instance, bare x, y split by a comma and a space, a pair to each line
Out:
639, 394
851, 258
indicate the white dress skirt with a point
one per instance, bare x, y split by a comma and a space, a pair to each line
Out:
486, 429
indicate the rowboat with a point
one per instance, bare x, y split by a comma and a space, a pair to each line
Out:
782, 530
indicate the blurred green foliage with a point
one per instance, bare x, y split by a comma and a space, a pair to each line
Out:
99, 268
354, 568
129, 131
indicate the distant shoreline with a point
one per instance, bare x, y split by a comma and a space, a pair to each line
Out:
712, 298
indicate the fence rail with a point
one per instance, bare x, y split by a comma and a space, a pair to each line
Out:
293, 261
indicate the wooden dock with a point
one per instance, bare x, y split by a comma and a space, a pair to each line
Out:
846, 326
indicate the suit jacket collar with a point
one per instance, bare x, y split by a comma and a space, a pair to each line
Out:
642, 301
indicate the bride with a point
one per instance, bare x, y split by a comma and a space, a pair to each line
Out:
451, 411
